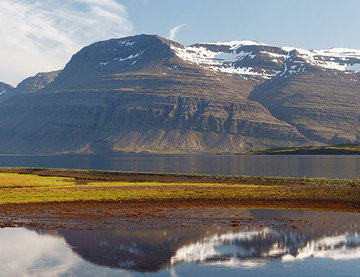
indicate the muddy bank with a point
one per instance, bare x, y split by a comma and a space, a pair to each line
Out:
102, 175
85, 199
89, 215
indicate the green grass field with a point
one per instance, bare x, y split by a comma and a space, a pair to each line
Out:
30, 188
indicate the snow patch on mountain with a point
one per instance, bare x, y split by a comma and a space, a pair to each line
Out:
237, 43
130, 57
226, 57
218, 61
127, 43
341, 59
277, 58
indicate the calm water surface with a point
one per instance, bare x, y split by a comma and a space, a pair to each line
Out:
327, 245
296, 166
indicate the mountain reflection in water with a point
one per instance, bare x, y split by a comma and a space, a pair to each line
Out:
325, 236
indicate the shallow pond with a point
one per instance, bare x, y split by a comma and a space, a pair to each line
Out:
325, 243
263, 165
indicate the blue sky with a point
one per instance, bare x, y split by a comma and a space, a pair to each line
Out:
303, 23
41, 35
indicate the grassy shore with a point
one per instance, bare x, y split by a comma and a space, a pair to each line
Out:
346, 149
20, 185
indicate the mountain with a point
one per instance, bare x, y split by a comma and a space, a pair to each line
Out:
5, 91
323, 105
37, 82
4, 87
29, 85
147, 93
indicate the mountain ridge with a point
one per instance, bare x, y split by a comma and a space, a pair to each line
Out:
147, 93
37, 82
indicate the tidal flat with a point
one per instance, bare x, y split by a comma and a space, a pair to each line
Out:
88, 199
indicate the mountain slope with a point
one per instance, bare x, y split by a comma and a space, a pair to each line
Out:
37, 82
323, 106
4, 87
257, 60
6, 91
29, 85
147, 93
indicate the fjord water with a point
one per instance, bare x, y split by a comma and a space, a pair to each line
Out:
257, 165
286, 243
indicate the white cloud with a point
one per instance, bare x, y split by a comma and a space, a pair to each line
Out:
25, 253
173, 31
42, 35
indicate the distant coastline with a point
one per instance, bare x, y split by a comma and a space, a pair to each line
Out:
344, 149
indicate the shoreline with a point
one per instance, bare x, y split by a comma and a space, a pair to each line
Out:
133, 176
94, 199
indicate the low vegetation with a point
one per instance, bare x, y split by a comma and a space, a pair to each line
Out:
21, 187
345, 149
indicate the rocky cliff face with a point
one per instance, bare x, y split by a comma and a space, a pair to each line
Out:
146, 93
322, 105
4, 87
6, 91
29, 85
37, 82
